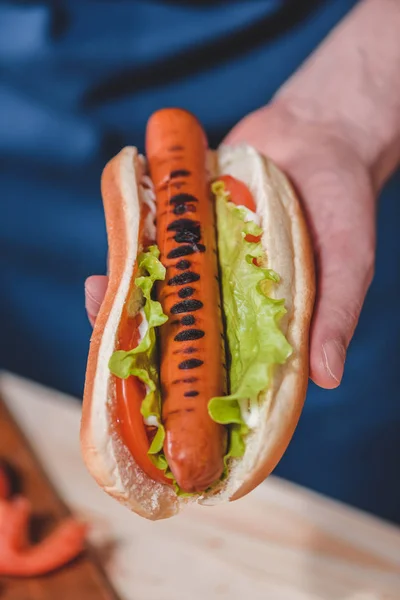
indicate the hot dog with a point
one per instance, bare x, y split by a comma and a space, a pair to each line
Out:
192, 346
198, 367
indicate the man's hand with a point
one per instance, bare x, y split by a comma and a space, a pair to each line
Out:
334, 128
339, 203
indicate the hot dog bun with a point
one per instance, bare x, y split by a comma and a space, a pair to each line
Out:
289, 253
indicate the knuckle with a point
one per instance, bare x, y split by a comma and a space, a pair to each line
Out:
347, 316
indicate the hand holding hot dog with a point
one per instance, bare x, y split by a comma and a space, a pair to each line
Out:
334, 128
339, 201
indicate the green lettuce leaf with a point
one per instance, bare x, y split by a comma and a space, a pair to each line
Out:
142, 360
255, 340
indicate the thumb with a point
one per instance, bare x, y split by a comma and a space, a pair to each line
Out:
95, 289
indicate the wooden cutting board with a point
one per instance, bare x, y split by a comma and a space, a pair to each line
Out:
281, 542
83, 578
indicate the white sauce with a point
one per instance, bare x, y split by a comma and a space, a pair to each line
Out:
250, 414
251, 216
143, 327
152, 421
148, 197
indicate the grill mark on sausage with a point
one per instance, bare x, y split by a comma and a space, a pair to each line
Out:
184, 278
186, 292
173, 184
186, 306
187, 320
182, 199
180, 224
181, 251
187, 235
181, 209
183, 264
190, 363
186, 250
186, 380
189, 334
191, 394
180, 410
179, 173
175, 148
190, 350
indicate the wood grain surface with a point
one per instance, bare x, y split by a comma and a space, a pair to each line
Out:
281, 542
82, 579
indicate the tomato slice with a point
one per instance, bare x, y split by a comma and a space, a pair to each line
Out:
239, 192
130, 392
240, 195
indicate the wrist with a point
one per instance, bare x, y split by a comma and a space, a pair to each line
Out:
376, 143
351, 86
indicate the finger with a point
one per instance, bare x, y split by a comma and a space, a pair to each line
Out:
95, 289
344, 242
344, 277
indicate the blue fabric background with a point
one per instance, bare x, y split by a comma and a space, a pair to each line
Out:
78, 81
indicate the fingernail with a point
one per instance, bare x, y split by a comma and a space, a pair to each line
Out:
334, 355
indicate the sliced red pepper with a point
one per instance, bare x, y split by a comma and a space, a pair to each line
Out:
17, 556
